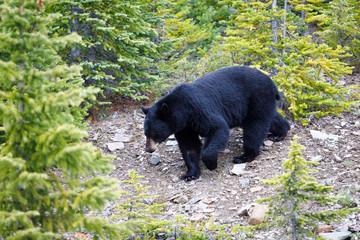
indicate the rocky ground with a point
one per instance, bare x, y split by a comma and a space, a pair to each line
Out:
219, 194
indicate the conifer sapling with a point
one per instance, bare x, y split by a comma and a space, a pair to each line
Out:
289, 208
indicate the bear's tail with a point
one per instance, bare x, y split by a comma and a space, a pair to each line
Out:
276, 90
277, 97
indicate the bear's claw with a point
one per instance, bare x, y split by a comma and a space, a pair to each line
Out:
188, 178
193, 174
275, 138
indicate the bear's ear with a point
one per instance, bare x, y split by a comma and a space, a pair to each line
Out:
163, 111
145, 109
164, 108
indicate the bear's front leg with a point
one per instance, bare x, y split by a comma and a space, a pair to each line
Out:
214, 143
190, 147
192, 164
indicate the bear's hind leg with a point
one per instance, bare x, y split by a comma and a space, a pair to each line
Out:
255, 133
190, 147
278, 128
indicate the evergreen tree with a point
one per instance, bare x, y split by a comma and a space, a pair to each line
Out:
196, 23
117, 52
271, 38
340, 25
43, 161
297, 188
193, 26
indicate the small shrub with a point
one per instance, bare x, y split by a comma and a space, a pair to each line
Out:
135, 209
145, 211
289, 207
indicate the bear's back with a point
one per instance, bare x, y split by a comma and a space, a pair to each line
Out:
232, 92
237, 75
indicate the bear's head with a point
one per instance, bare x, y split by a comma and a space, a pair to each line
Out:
157, 125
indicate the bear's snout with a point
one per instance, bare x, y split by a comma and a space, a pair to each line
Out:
151, 145
149, 149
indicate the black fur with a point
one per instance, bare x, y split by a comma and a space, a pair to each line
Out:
209, 107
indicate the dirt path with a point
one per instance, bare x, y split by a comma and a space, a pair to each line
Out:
219, 194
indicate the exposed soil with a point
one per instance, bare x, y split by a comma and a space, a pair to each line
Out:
218, 194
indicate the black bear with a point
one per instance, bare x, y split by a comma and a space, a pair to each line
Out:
230, 97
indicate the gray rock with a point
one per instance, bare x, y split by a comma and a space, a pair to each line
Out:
337, 158
155, 160
233, 192
356, 133
328, 182
317, 158
171, 143
181, 199
238, 169
187, 208
209, 210
268, 143
149, 201
208, 201
121, 138
245, 182
194, 200
115, 146
175, 179
201, 206
106, 213
336, 235
96, 137
115, 115
120, 130
255, 189
317, 135
227, 150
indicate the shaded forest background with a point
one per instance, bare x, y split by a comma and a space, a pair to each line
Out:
137, 48
57, 58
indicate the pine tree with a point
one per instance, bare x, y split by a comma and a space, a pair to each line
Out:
297, 188
340, 25
117, 51
193, 26
273, 38
196, 23
46, 169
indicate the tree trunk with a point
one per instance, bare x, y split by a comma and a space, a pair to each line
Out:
274, 24
284, 23
74, 27
274, 28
